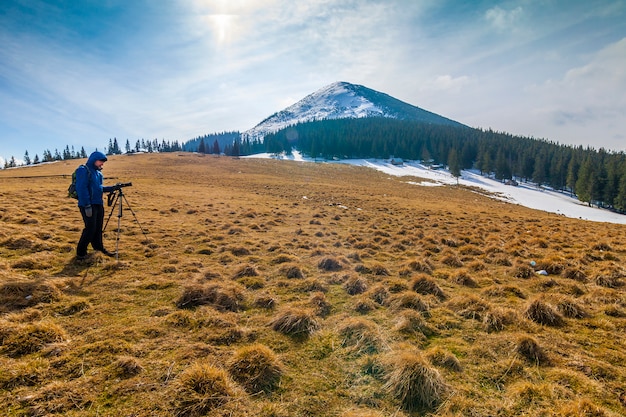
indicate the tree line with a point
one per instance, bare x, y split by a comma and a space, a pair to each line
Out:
113, 148
596, 177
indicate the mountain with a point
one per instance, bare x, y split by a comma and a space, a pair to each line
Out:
343, 100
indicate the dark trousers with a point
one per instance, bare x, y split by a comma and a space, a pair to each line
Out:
92, 233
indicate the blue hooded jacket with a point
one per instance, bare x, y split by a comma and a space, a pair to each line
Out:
89, 181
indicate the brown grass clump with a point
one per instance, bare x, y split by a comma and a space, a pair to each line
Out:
24, 339
361, 336
470, 307
463, 278
256, 368
528, 348
292, 271
329, 264
407, 299
320, 304
355, 285
200, 389
523, 272
421, 266
17, 295
411, 380
542, 313
608, 281
425, 285
223, 298
127, 366
581, 408
444, 359
570, 309
412, 322
295, 322
378, 293
495, 320
246, 271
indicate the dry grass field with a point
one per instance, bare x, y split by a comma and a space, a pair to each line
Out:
277, 288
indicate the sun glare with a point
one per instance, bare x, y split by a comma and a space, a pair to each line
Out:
222, 26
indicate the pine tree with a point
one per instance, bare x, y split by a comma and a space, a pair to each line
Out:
454, 164
26, 158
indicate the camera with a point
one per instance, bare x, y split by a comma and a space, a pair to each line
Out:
119, 185
113, 194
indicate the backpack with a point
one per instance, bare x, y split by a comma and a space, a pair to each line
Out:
71, 190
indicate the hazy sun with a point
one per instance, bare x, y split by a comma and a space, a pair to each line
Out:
222, 25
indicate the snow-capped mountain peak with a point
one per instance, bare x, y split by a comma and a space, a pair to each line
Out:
342, 100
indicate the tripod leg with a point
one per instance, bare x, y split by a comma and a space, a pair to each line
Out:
135, 216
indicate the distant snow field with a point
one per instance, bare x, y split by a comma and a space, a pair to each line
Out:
527, 195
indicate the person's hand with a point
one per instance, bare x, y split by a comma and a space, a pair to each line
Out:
88, 211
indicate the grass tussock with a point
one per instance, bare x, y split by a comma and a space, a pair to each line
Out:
543, 313
221, 297
127, 366
413, 381
256, 368
24, 339
201, 388
294, 321
360, 336
18, 295
528, 348
444, 359
425, 285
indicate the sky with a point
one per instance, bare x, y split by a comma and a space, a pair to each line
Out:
79, 73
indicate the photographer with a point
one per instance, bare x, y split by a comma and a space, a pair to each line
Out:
90, 202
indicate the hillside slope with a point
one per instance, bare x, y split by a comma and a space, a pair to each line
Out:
278, 288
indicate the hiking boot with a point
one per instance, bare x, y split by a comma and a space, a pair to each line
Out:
107, 253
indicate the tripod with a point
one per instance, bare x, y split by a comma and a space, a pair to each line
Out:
116, 199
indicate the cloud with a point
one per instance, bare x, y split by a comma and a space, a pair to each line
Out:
503, 20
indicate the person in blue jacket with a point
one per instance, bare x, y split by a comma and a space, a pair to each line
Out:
91, 204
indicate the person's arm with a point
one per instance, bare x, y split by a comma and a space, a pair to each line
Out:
82, 187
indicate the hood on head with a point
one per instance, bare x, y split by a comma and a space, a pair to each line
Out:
96, 156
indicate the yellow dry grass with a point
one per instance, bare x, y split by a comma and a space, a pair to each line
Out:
359, 294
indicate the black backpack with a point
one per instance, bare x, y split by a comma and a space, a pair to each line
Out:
71, 190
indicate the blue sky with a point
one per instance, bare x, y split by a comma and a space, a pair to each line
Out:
79, 73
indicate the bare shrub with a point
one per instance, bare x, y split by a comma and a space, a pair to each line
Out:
17, 295
127, 366
542, 313
425, 285
200, 389
361, 336
256, 368
442, 358
295, 322
530, 349
329, 264
22, 340
355, 285
411, 380
407, 299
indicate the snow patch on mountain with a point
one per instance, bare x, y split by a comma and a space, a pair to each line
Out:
342, 100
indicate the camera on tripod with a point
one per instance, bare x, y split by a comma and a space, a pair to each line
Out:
115, 188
